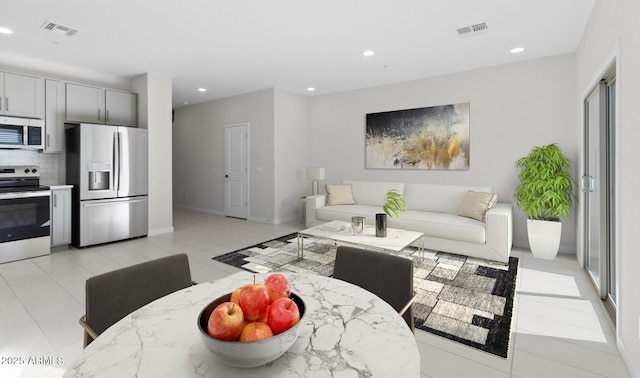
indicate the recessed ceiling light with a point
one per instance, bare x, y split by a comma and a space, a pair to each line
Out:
368, 53
5, 30
202, 89
311, 89
517, 50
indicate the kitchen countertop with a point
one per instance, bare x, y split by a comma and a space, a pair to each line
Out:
56, 187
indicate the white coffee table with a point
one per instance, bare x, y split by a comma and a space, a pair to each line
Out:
395, 241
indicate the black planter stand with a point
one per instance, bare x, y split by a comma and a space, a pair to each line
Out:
381, 225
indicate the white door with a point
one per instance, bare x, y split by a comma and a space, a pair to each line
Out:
236, 163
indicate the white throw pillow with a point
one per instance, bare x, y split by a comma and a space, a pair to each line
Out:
339, 195
476, 204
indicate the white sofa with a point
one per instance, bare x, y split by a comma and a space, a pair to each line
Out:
431, 209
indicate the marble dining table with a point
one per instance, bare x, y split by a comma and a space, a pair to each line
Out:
348, 332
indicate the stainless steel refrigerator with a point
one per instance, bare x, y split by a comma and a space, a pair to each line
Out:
108, 168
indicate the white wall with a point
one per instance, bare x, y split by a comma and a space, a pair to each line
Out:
613, 29
512, 108
198, 159
154, 113
290, 155
277, 153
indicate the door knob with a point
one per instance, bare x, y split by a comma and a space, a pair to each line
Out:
227, 176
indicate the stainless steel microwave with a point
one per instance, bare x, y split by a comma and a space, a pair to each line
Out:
23, 133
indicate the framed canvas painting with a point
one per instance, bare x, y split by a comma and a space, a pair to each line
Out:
435, 137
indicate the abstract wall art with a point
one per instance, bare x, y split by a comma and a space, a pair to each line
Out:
435, 137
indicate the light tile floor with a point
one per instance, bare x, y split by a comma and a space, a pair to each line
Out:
561, 327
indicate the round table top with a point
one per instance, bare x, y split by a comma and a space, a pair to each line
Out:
348, 332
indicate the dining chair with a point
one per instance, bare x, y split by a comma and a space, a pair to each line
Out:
113, 295
388, 276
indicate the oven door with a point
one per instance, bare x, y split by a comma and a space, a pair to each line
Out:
24, 215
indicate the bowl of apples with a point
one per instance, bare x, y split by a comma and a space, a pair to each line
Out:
254, 324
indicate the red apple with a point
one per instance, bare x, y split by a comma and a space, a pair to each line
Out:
254, 300
278, 286
256, 331
283, 314
226, 321
235, 294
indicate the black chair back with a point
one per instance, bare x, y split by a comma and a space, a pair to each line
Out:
388, 276
113, 295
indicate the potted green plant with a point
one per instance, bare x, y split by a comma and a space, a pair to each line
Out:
394, 205
545, 193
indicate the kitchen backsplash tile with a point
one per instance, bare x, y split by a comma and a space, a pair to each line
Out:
48, 163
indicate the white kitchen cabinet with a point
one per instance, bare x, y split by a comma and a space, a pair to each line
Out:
121, 108
84, 103
54, 115
99, 105
60, 215
21, 95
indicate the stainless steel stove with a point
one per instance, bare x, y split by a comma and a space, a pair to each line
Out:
24, 213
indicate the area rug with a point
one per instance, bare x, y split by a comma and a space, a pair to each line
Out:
464, 299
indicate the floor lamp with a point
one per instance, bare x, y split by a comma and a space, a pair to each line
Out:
315, 174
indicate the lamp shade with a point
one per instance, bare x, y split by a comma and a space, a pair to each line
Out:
315, 173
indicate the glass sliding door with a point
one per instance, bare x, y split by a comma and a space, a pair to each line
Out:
595, 159
597, 185
611, 255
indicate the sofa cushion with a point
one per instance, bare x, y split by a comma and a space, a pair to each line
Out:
441, 225
373, 193
345, 212
438, 198
475, 204
339, 195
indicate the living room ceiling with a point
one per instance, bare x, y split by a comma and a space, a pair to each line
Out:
240, 46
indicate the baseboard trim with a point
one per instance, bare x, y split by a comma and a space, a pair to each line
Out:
160, 231
200, 209
564, 249
288, 219
633, 370
261, 220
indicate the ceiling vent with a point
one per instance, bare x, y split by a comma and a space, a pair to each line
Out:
59, 29
470, 31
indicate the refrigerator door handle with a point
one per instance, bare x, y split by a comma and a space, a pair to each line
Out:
116, 161
108, 203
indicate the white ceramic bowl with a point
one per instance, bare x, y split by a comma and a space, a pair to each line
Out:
252, 353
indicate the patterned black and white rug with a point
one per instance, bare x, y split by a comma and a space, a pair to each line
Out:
464, 299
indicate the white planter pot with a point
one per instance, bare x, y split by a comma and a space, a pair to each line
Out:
544, 238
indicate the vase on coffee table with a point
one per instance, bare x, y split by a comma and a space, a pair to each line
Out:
357, 225
381, 225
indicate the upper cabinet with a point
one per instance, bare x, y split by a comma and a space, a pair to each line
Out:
122, 108
21, 95
85, 104
99, 105
54, 115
